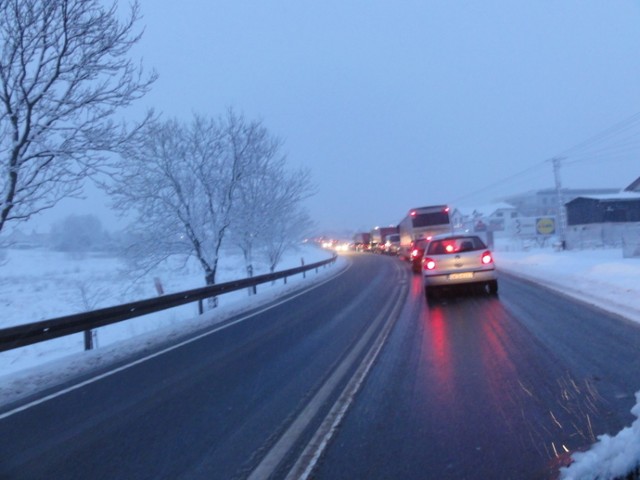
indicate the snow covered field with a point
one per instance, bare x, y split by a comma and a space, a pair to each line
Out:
38, 284
41, 284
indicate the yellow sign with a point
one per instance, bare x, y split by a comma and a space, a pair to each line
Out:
546, 226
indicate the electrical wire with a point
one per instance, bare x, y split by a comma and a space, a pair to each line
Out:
621, 126
592, 150
501, 182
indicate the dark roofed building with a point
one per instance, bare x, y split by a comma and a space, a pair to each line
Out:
634, 187
622, 207
545, 201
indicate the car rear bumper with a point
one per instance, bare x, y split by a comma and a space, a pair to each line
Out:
438, 280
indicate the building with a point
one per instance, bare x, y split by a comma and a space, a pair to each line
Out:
605, 221
497, 217
542, 203
634, 187
620, 207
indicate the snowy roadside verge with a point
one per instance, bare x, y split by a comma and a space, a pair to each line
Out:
605, 279
35, 368
598, 277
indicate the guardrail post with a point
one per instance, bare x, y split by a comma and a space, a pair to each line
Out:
304, 273
200, 307
253, 288
88, 340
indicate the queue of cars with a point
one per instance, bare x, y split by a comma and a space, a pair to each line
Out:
446, 259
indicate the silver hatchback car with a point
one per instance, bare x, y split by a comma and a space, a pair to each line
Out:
454, 260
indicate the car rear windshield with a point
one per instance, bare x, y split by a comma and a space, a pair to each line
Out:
455, 245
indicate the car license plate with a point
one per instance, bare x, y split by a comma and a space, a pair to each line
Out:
460, 276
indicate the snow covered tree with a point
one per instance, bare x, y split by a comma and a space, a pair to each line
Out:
182, 182
283, 220
284, 233
268, 195
64, 73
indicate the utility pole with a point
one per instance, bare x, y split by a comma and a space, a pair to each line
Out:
561, 216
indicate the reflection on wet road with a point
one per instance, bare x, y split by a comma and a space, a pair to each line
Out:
482, 387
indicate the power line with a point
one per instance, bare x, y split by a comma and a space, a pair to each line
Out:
602, 153
499, 182
621, 126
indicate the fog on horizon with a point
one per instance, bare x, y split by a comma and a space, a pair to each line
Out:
394, 106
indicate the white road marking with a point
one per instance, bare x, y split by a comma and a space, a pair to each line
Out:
160, 352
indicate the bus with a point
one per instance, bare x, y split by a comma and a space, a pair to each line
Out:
420, 224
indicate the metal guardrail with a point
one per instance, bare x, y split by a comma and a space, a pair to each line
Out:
30, 333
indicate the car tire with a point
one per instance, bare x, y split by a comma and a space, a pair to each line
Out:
492, 287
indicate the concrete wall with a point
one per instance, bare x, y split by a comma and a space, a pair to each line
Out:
600, 235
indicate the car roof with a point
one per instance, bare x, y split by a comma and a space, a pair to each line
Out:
444, 236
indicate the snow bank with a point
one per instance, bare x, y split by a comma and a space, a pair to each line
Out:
610, 457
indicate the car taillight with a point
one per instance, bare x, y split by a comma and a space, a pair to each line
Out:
414, 253
487, 258
428, 264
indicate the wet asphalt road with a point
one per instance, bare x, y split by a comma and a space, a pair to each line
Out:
209, 409
470, 387
477, 387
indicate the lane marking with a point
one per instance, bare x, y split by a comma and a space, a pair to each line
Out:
109, 373
285, 443
306, 463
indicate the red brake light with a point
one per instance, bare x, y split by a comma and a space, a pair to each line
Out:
487, 258
428, 264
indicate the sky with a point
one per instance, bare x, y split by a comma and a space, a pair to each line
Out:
395, 105
600, 277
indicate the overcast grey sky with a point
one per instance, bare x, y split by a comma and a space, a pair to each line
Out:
394, 105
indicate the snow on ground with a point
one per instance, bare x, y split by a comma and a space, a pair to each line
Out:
600, 277
38, 284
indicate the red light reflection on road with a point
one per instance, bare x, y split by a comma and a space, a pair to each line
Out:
438, 347
467, 355
494, 353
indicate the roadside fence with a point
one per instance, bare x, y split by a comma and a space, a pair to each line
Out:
30, 333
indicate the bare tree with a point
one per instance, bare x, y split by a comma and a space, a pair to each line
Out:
253, 210
64, 73
278, 210
182, 183
285, 232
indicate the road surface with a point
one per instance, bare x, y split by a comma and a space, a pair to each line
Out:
354, 378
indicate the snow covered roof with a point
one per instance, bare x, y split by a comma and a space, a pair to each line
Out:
623, 195
634, 186
485, 209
